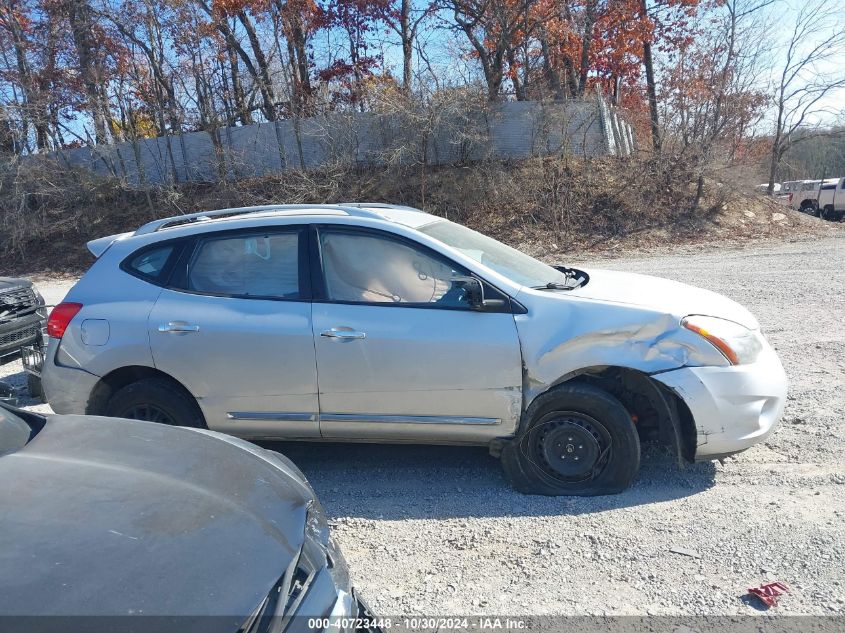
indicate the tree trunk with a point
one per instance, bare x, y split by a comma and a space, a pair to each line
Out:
552, 75
33, 107
238, 96
775, 161
265, 85
82, 31
297, 57
407, 37
651, 88
586, 42
518, 86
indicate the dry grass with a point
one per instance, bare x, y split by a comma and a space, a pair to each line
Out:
545, 206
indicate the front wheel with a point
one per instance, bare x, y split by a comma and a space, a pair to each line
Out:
577, 440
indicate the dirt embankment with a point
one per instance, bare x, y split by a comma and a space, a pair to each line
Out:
547, 207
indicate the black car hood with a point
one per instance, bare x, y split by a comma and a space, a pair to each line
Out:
9, 283
101, 516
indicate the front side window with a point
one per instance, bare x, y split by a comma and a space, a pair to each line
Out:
262, 265
368, 268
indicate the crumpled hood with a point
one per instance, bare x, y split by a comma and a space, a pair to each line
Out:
112, 517
662, 295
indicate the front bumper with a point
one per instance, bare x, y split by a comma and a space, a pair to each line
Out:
733, 407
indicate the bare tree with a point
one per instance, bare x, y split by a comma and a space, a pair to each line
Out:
493, 28
405, 21
811, 72
713, 97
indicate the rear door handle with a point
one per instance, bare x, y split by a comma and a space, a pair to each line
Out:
343, 333
177, 327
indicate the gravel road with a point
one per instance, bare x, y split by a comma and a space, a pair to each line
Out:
437, 530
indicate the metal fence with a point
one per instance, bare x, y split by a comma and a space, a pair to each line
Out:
446, 136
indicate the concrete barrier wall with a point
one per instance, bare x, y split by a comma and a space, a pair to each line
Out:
508, 130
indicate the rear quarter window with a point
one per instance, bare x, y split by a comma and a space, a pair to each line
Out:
152, 263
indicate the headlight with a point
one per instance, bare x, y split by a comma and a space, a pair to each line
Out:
736, 342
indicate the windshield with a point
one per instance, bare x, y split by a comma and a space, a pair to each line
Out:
509, 262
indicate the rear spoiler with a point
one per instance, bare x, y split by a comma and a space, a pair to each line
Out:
101, 245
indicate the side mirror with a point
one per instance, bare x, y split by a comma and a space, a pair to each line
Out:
475, 294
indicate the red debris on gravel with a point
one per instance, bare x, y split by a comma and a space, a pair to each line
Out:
769, 593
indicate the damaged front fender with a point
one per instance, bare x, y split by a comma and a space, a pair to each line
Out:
561, 337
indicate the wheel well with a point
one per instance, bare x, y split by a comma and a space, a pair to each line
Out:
658, 413
119, 378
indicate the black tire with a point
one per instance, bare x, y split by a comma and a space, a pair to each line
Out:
33, 386
156, 400
566, 422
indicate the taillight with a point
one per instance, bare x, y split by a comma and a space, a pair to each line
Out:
60, 318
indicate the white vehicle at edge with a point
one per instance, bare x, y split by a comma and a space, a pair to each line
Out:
831, 202
378, 323
805, 196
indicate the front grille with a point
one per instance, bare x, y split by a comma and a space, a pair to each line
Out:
17, 303
19, 336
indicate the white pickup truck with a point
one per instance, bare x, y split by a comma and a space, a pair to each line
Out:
831, 199
803, 195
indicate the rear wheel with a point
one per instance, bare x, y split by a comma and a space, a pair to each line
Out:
156, 400
579, 440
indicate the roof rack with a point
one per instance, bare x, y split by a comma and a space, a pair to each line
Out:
358, 209
379, 205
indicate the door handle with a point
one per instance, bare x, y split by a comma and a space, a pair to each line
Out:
177, 327
342, 333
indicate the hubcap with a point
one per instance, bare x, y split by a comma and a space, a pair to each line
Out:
571, 446
148, 412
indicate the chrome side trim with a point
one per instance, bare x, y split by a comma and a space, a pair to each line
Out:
279, 417
406, 419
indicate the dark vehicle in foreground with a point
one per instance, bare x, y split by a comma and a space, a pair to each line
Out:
110, 517
22, 316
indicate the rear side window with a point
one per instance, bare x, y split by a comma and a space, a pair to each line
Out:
151, 263
263, 265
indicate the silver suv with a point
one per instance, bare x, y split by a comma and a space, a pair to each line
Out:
379, 323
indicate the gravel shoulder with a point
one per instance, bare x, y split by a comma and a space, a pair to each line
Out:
437, 530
